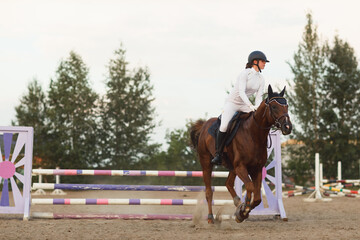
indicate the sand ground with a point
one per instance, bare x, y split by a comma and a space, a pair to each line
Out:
338, 219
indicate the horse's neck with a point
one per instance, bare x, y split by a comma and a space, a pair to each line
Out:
260, 123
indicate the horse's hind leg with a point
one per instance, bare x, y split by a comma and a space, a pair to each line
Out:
230, 186
207, 170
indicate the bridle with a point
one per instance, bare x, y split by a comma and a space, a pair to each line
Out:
279, 100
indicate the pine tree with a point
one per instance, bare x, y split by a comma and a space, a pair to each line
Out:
304, 102
340, 118
32, 112
127, 116
72, 119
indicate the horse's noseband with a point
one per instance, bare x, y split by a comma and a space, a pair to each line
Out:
277, 120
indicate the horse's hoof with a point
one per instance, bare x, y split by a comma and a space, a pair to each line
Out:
239, 220
210, 219
242, 213
238, 216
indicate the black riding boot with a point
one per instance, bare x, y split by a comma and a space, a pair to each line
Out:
219, 144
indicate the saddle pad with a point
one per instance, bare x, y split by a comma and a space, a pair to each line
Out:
233, 126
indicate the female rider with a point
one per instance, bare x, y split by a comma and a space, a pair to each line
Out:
249, 82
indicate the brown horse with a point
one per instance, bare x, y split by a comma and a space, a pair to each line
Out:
247, 153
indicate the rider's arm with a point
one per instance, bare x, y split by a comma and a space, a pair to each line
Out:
242, 88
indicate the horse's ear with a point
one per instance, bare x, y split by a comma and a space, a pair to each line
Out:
282, 92
270, 91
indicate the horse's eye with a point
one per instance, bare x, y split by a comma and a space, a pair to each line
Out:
273, 107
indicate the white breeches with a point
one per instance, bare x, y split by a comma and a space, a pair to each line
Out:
228, 112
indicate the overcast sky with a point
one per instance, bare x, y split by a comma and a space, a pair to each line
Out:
193, 49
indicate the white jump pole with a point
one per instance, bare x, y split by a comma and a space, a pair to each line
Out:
317, 177
317, 193
57, 181
39, 191
321, 174
339, 177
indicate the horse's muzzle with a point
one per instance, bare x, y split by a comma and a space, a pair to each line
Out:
286, 127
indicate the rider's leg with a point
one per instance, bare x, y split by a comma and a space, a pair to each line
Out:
219, 144
229, 110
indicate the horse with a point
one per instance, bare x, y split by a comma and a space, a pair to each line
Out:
246, 154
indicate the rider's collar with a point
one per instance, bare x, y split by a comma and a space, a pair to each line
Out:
253, 70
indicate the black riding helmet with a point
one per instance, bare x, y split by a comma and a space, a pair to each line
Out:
257, 55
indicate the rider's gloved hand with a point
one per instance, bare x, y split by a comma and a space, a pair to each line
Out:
252, 107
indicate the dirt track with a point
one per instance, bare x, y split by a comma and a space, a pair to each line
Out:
338, 219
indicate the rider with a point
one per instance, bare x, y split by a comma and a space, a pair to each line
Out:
249, 82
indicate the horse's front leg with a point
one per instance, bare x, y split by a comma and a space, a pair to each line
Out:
243, 210
230, 186
257, 177
243, 174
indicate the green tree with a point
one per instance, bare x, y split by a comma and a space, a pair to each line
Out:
305, 103
32, 112
127, 116
178, 156
325, 103
340, 118
72, 116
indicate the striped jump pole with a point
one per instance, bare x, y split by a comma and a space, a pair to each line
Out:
335, 194
51, 186
295, 194
148, 173
113, 216
48, 215
125, 201
298, 187
340, 190
343, 185
342, 181
340, 194
289, 194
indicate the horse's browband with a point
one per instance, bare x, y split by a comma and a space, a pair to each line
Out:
275, 99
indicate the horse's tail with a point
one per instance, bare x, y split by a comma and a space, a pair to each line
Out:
195, 132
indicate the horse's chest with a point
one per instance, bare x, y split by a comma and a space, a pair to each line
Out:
250, 154
256, 158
